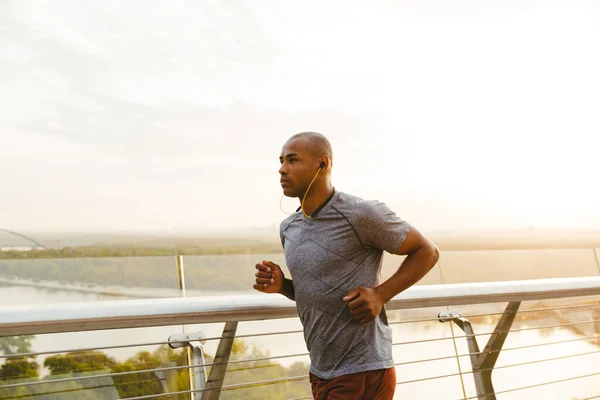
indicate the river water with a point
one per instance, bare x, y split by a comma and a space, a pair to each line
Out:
516, 368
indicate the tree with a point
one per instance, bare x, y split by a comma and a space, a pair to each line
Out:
144, 379
18, 368
151, 382
146, 382
74, 362
15, 344
251, 372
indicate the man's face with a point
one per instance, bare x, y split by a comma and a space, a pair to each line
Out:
298, 167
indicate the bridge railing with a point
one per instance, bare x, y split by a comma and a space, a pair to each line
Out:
233, 374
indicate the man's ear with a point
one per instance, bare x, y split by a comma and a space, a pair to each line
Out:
324, 163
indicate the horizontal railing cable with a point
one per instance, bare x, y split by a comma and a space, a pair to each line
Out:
164, 369
539, 385
199, 365
99, 376
38, 353
229, 387
114, 384
250, 335
495, 351
491, 369
24, 396
80, 350
595, 321
91, 369
546, 360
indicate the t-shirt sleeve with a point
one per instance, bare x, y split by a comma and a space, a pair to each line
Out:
380, 227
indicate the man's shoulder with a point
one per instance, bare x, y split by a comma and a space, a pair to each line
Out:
288, 220
361, 213
353, 206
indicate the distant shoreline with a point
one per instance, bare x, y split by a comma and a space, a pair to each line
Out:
114, 291
69, 288
444, 244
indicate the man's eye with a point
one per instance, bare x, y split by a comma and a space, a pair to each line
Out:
292, 160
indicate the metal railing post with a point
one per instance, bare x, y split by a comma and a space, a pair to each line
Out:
181, 283
218, 370
483, 362
198, 372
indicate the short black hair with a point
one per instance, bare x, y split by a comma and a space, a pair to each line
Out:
319, 144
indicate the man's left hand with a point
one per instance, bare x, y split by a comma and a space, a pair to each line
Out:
365, 304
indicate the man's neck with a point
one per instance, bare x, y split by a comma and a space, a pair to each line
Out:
315, 199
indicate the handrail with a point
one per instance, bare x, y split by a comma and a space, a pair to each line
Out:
88, 316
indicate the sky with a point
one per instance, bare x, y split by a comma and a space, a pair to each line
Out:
170, 116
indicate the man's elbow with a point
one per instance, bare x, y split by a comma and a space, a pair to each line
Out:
433, 255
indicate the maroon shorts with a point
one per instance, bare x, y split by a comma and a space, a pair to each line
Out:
370, 385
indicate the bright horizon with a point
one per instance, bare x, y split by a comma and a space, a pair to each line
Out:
118, 117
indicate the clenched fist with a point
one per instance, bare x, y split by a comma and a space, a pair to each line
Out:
269, 277
365, 304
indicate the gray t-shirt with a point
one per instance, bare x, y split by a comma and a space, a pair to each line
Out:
336, 251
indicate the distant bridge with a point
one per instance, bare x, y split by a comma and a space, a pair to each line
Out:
35, 242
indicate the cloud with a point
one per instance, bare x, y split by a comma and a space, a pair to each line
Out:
147, 115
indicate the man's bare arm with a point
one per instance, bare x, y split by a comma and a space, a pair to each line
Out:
287, 289
421, 255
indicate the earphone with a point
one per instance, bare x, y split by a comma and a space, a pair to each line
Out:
321, 166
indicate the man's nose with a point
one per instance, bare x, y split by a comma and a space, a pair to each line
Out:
282, 170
